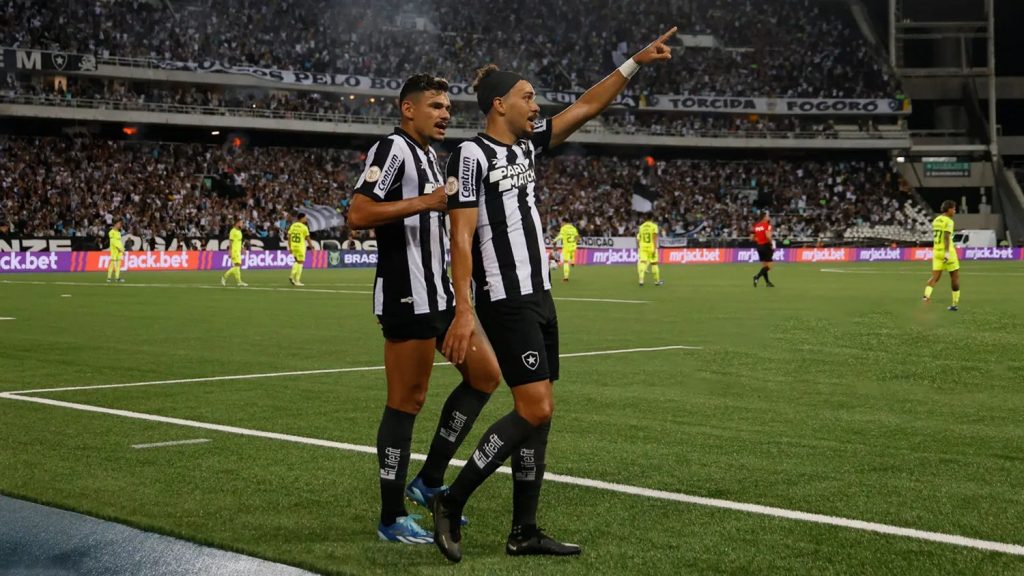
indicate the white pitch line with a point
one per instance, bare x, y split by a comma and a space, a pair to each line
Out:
174, 443
952, 539
322, 371
922, 272
8, 318
605, 300
200, 286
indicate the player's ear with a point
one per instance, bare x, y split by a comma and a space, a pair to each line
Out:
408, 107
499, 105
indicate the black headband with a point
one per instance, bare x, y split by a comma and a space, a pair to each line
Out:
494, 85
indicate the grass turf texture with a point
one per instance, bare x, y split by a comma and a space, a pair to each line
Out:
834, 393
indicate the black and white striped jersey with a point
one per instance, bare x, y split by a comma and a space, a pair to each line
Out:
412, 266
509, 258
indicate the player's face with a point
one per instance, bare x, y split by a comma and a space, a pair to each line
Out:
521, 108
430, 113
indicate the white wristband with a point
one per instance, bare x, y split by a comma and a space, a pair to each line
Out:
629, 68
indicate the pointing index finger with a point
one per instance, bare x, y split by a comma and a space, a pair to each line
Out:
664, 37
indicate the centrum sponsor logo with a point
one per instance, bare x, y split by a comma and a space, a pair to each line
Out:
695, 255
151, 261
823, 255
879, 254
27, 262
988, 253
622, 256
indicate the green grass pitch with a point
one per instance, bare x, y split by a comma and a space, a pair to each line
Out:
836, 393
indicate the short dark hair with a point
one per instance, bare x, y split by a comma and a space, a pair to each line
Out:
422, 83
299, 215
947, 205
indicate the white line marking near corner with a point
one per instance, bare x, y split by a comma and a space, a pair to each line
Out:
923, 272
604, 300
322, 371
174, 443
952, 539
8, 318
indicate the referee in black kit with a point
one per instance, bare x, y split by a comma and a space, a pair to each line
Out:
497, 242
762, 234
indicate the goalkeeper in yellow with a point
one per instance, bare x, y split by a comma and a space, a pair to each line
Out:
944, 254
116, 252
236, 256
298, 239
569, 237
647, 252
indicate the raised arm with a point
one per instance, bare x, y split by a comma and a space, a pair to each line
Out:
602, 94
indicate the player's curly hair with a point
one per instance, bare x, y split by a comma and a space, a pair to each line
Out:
484, 72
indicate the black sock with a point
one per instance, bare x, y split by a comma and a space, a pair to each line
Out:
394, 444
766, 279
497, 444
528, 475
457, 417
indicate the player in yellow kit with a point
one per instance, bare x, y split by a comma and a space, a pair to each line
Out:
647, 252
298, 239
236, 256
570, 237
944, 254
116, 252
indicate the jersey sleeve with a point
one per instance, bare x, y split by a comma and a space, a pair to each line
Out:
541, 137
465, 177
383, 171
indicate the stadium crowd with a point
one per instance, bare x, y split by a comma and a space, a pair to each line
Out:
75, 187
795, 48
346, 108
717, 199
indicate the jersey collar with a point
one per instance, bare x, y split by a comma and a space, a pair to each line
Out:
411, 140
497, 142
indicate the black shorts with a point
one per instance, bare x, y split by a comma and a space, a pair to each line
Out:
524, 334
765, 252
416, 326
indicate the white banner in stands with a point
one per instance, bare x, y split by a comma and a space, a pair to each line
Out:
464, 93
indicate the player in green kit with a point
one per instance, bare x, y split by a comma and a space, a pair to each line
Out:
570, 237
647, 252
236, 256
944, 254
116, 252
298, 239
